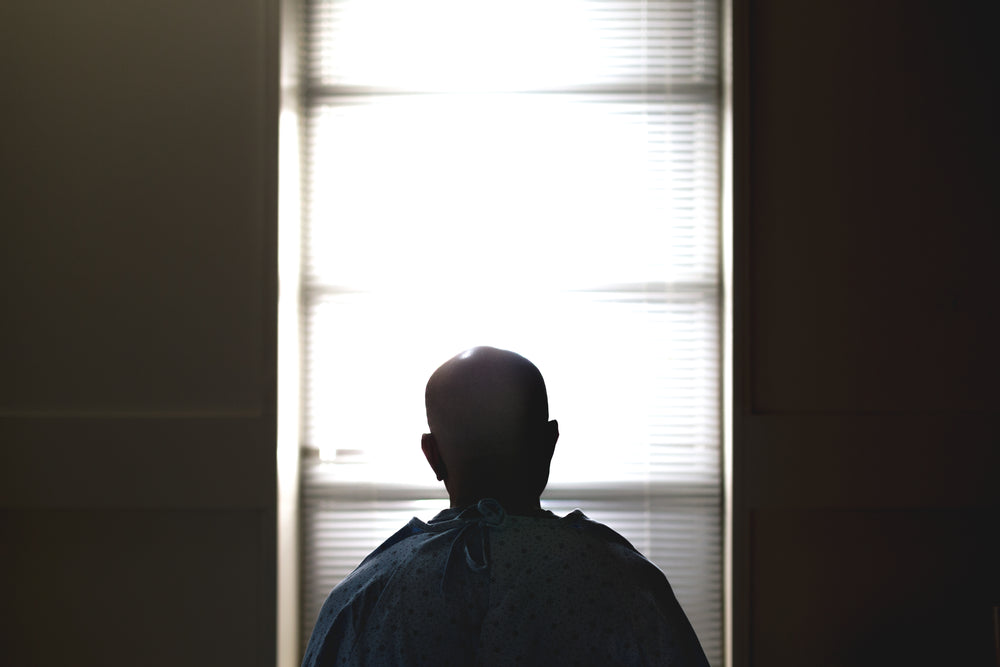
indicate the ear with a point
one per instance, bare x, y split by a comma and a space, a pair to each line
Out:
428, 443
544, 445
552, 436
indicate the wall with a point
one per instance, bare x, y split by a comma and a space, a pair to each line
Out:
866, 457
138, 282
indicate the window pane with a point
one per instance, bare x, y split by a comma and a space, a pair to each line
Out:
498, 192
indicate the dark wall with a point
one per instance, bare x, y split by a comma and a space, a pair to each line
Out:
137, 350
866, 454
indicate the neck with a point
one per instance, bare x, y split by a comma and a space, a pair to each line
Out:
516, 489
511, 505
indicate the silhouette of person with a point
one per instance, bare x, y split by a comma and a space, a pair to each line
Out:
494, 579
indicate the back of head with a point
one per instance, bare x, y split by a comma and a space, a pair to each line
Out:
488, 411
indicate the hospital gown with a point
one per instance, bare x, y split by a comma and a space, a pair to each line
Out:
476, 586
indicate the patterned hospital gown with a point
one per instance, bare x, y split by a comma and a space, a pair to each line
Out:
476, 586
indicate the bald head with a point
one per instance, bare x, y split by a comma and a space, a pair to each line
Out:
488, 414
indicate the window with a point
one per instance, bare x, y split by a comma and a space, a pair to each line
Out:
538, 175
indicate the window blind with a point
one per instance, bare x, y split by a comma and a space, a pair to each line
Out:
540, 176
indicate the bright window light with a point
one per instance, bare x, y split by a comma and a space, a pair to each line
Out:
535, 175
464, 45
474, 181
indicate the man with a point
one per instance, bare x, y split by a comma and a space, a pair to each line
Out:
494, 579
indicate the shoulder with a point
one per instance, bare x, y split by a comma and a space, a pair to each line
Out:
580, 522
615, 545
578, 589
414, 528
576, 548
